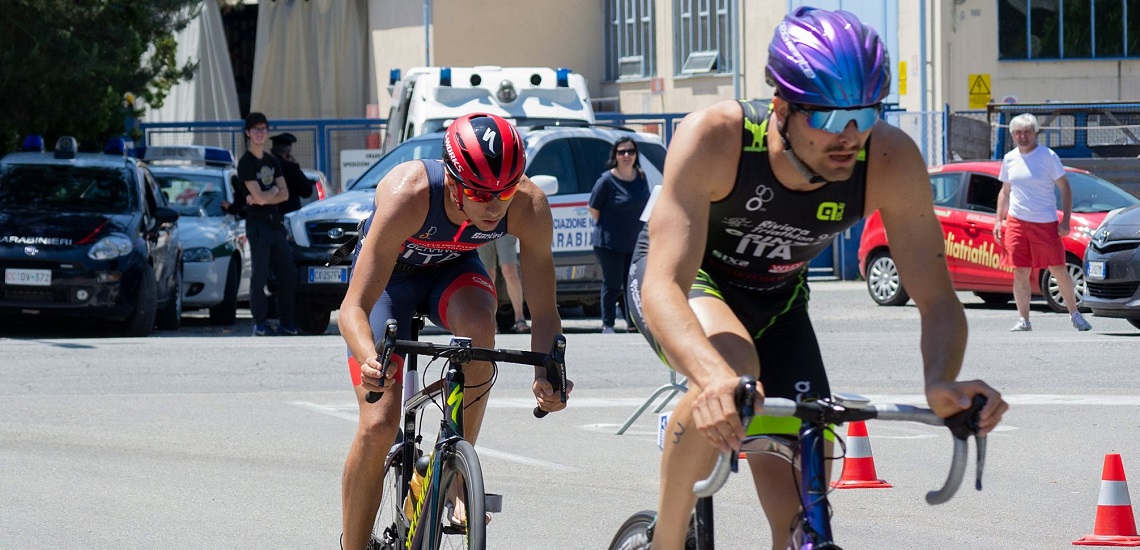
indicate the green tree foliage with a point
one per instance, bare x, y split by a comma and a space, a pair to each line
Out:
66, 65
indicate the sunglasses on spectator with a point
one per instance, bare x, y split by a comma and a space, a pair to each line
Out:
626, 152
836, 120
486, 196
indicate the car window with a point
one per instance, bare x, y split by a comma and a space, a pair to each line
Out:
1092, 194
593, 154
556, 159
65, 188
152, 197
408, 150
983, 193
945, 187
193, 194
654, 153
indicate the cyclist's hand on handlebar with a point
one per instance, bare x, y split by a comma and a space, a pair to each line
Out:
947, 398
370, 375
715, 414
548, 399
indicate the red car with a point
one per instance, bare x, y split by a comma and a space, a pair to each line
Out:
965, 201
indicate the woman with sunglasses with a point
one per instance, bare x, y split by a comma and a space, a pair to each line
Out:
417, 251
616, 203
751, 194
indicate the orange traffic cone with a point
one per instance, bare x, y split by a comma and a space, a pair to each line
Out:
1115, 524
858, 464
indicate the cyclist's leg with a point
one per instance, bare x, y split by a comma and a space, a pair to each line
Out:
688, 456
463, 301
363, 478
791, 367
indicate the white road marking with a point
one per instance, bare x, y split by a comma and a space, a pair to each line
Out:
483, 450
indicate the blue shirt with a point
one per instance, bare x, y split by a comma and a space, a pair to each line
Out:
620, 203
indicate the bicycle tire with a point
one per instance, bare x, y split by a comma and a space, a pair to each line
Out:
391, 527
634, 533
461, 466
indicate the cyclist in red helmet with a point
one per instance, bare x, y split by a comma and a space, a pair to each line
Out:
418, 251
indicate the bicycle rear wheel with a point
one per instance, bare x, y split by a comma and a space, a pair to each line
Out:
463, 476
634, 533
391, 527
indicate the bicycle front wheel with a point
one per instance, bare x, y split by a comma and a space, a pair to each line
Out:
461, 479
634, 533
391, 525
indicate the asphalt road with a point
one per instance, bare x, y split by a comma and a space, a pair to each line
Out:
209, 438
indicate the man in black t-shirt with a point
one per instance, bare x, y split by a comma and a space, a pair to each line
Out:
265, 228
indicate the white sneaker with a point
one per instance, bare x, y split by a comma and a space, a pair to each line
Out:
1079, 322
1022, 326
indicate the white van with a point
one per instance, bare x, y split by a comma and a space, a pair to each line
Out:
426, 99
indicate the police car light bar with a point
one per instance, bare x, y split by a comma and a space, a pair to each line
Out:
33, 143
66, 147
117, 146
185, 154
562, 77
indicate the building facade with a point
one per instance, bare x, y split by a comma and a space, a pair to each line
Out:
651, 56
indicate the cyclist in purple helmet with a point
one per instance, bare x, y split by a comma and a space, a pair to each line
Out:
758, 213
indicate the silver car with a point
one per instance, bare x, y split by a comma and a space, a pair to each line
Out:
216, 261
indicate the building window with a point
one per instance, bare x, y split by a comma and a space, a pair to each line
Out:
630, 50
702, 37
1068, 29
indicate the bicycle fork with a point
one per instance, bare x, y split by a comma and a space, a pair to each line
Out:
816, 521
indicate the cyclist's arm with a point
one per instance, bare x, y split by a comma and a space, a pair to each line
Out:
899, 187
530, 220
402, 201
700, 168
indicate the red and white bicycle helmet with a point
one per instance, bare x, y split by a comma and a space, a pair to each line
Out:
484, 152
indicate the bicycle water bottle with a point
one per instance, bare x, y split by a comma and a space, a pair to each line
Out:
416, 486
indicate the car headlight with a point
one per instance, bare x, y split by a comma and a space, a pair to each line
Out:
201, 254
110, 247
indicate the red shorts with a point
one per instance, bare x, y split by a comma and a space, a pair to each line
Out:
1029, 244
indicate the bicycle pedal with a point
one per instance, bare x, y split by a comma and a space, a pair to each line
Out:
454, 529
493, 503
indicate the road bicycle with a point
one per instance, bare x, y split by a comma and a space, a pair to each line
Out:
450, 470
811, 529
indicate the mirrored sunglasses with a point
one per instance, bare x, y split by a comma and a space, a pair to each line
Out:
485, 196
630, 152
836, 120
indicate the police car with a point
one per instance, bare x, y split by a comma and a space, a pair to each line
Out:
216, 261
563, 161
88, 234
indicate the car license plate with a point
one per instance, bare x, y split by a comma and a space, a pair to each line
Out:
571, 272
30, 277
1096, 270
323, 275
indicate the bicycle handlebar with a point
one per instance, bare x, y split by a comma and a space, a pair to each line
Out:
962, 425
555, 360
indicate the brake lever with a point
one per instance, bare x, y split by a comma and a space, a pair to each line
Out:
962, 425
385, 345
555, 364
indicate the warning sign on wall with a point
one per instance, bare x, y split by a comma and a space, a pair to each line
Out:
979, 90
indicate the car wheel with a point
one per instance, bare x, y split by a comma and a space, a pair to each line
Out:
170, 317
1052, 291
883, 282
994, 298
312, 318
225, 313
141, 322
1134, 322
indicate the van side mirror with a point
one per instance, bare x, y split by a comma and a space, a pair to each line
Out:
548, 184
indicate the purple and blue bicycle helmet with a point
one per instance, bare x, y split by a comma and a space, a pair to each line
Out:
828, 59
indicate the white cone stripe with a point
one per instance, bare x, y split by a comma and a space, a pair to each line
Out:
1113, 493
858, 447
